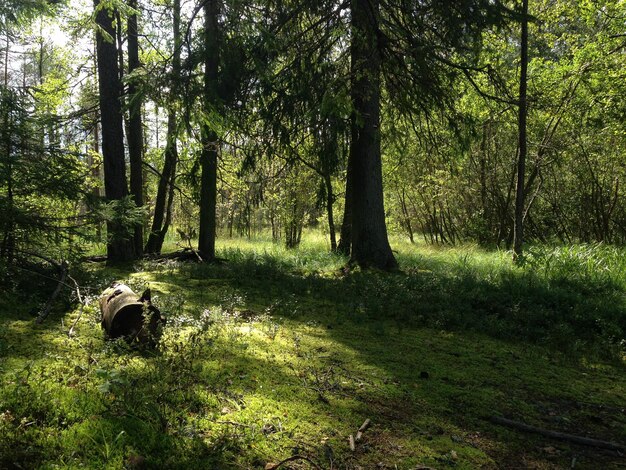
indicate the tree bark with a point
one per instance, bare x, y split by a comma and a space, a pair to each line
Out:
119, 247
406, 216
520, 195
165, 190
370, 245
345, 236
330, 198
8, 240
135, 127
210, 144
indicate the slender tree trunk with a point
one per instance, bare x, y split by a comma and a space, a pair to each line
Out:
135, 126
210, 144
170, 203
8, 240
96, 170
6, 63
330, 198
95, 173
520, 195
345, 236
405, 215
370, 245
165, 190
119, 247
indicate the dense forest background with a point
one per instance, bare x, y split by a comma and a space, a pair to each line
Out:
353, 234
125, 122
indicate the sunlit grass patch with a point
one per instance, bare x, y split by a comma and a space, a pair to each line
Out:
278, 352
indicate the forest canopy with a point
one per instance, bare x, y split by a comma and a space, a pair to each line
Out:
125, 122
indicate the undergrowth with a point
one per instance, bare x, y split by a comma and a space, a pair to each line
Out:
281, 353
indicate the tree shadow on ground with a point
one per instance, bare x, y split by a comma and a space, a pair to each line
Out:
324, 351
377, 317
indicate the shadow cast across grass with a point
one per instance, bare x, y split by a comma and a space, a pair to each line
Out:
280, 353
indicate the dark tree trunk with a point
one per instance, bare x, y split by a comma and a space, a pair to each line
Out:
405, 215
330, 198
165, 191
520, 195
119, 247
370, 245
8, 240
210, 144
135, 128
345, 236
95, 173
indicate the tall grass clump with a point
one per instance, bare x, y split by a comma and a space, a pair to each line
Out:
571, 299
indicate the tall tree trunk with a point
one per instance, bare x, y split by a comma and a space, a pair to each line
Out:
8, 238
330, 198
520, 195
345, 236
135, 127
119, 247
210, 144
95, 173
96, 169
6, 62
165, 190
406, 216
7, 247
370, 245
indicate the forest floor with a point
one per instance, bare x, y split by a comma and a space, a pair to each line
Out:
276, 354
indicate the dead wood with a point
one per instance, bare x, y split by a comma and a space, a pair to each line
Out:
70, 333
95, 259
364, 426
274, 466
585, 441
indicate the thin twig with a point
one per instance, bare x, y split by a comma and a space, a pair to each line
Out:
291, 459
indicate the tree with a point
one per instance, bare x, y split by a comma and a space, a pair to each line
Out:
119, 246
520, 195
209, 137
165, 191
370, 245
135, 126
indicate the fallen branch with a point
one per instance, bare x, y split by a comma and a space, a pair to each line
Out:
274, 466
95, 259
364, 426
187, 238
585, 441
352, 445
70, 333
46, 310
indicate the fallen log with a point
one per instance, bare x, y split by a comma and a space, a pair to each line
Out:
127, 315
585, 441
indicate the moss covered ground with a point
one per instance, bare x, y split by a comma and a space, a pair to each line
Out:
278, 353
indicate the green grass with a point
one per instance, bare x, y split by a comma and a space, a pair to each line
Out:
280, 352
